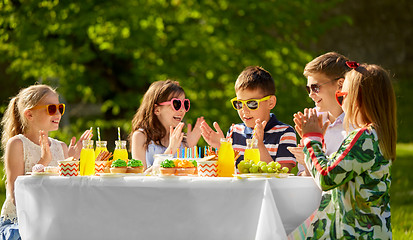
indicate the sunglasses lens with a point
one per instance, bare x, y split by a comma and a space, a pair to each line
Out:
61, 109
237, 104
176, 104
186, 105
339, 100
51, 109
252, 105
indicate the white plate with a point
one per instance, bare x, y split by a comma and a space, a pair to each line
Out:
111, 174
262, 175
42, 174
133, 174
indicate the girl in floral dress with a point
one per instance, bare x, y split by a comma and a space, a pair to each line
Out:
359, 173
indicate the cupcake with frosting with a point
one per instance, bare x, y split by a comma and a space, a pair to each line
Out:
184, 167
118, 166
134, 166
167, 167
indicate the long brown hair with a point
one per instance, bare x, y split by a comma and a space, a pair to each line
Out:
145, 118
14, 122
371, 97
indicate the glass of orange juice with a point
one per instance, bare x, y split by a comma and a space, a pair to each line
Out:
120, 150
100, 147
226, 162
252, 152
87, 159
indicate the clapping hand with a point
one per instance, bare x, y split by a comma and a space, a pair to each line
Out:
311, 123
194, 134
212, 137
76, 147
175, 137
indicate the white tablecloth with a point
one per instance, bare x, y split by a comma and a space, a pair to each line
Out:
162, 208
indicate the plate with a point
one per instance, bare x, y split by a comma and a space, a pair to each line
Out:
133, 174
262, 175
43, 174
111, 174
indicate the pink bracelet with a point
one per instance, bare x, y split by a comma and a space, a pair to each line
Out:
38, 168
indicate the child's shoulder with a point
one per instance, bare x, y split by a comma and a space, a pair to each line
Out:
275, 126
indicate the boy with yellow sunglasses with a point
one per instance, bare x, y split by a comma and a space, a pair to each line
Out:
255, 98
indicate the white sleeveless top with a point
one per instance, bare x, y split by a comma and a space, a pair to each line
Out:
31, 155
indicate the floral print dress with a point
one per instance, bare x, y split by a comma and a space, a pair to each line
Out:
358, 177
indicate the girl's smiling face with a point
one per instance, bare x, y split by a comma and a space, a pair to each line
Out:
167, 115
41, 119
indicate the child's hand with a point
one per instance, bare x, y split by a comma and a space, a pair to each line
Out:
194, 135
313, 123
76, 147
175, 138
259, 130
298, 117
298, 153
46, 155
212, 137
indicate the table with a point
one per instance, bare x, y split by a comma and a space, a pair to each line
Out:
140, 207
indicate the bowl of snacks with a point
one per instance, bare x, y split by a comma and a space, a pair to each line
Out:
184, 167
167, 167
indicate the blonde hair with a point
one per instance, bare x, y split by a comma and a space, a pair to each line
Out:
371, 97
14, 122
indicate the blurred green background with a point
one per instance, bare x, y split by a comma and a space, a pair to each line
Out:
103, 55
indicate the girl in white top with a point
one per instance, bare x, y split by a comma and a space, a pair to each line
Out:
28, 119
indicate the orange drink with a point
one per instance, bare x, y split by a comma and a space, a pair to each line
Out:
120, 151
100, 147
226, 163
252, 152
87, 159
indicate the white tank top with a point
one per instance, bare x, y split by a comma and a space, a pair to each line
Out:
31, 154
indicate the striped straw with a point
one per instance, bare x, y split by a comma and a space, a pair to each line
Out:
98, 133
119, 133
230, 133
90, 136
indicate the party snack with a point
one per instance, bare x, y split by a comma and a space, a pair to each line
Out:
118, 166
134, 166
167, 167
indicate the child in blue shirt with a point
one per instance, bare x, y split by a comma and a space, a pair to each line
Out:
255, 98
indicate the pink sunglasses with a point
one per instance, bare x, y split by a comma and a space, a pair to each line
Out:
178, 104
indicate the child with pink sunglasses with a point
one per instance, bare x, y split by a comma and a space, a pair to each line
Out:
157, 124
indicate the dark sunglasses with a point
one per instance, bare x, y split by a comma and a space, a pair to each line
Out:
178, 104
340, 96
252, 104
316, 87
52, 108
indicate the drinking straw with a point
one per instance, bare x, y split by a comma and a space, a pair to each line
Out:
98, 133
205, 151
230, 133
199, 152
177, 153
90, 136
185, 152
119, 133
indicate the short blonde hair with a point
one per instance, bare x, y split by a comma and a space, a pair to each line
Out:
371, 97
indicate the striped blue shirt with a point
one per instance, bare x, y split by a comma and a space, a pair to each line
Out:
277, 137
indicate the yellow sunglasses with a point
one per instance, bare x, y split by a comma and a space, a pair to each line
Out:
252, 104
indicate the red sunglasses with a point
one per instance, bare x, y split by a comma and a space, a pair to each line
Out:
340, 96
178, 104
52, 108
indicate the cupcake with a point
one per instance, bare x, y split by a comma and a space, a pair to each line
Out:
135, 166
118, 166
167, 167
184, 167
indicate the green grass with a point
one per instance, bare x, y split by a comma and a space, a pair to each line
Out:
401, 192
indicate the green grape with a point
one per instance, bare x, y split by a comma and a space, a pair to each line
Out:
285, 169
254, 169
241, 165
263, 169
272, 164
262, 164
247, 165
245, 170
252, 162
270, 169
277, 165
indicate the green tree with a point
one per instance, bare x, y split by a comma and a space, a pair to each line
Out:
103, 55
